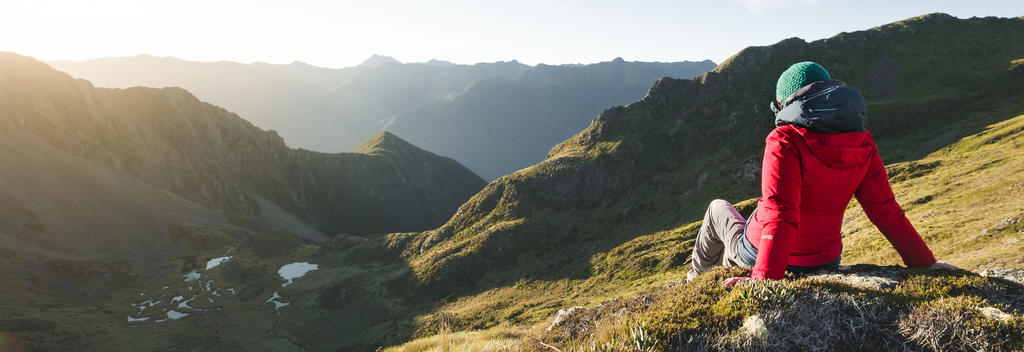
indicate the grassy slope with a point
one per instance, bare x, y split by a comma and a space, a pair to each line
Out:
618, 199
655, 164
966, 200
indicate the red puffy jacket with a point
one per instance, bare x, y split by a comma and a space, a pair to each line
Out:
807, 180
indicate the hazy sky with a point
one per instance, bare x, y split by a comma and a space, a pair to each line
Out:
343, 33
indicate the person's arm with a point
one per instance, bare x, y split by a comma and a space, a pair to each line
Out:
779, 210
876, 197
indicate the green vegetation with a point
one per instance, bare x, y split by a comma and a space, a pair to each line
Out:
681, 146
616, 223
965, 200
607, 221
925, 310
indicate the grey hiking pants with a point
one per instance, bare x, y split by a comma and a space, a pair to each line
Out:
717, 239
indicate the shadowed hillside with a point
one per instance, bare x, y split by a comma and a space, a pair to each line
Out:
168, 138
59, 206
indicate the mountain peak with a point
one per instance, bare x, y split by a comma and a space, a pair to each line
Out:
934, 17
384, 141
378, 59
437, 62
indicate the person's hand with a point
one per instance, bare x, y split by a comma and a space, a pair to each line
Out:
943, 266
735, 280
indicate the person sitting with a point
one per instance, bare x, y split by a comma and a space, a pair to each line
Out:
818, 157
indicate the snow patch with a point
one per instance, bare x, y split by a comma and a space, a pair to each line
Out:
295, 270
185, 303
132, 320
146, 304
172, 315
175, 315
192, 276
213, 263
278, 304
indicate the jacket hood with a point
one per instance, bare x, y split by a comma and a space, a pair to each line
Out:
828, 106
839, 150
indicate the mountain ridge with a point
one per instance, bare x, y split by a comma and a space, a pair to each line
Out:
542, 106
646, 132
168, 138
335, 110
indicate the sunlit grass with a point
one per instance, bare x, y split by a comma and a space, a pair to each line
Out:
967, 204
496, 339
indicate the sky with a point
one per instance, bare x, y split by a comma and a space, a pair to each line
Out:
343, 33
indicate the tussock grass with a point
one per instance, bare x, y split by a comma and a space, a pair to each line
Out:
927, 311
497, 339
959, 324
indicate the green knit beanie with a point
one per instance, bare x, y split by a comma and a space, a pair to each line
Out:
797, 76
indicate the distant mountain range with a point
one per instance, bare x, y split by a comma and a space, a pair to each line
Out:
498, 126
493, 117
